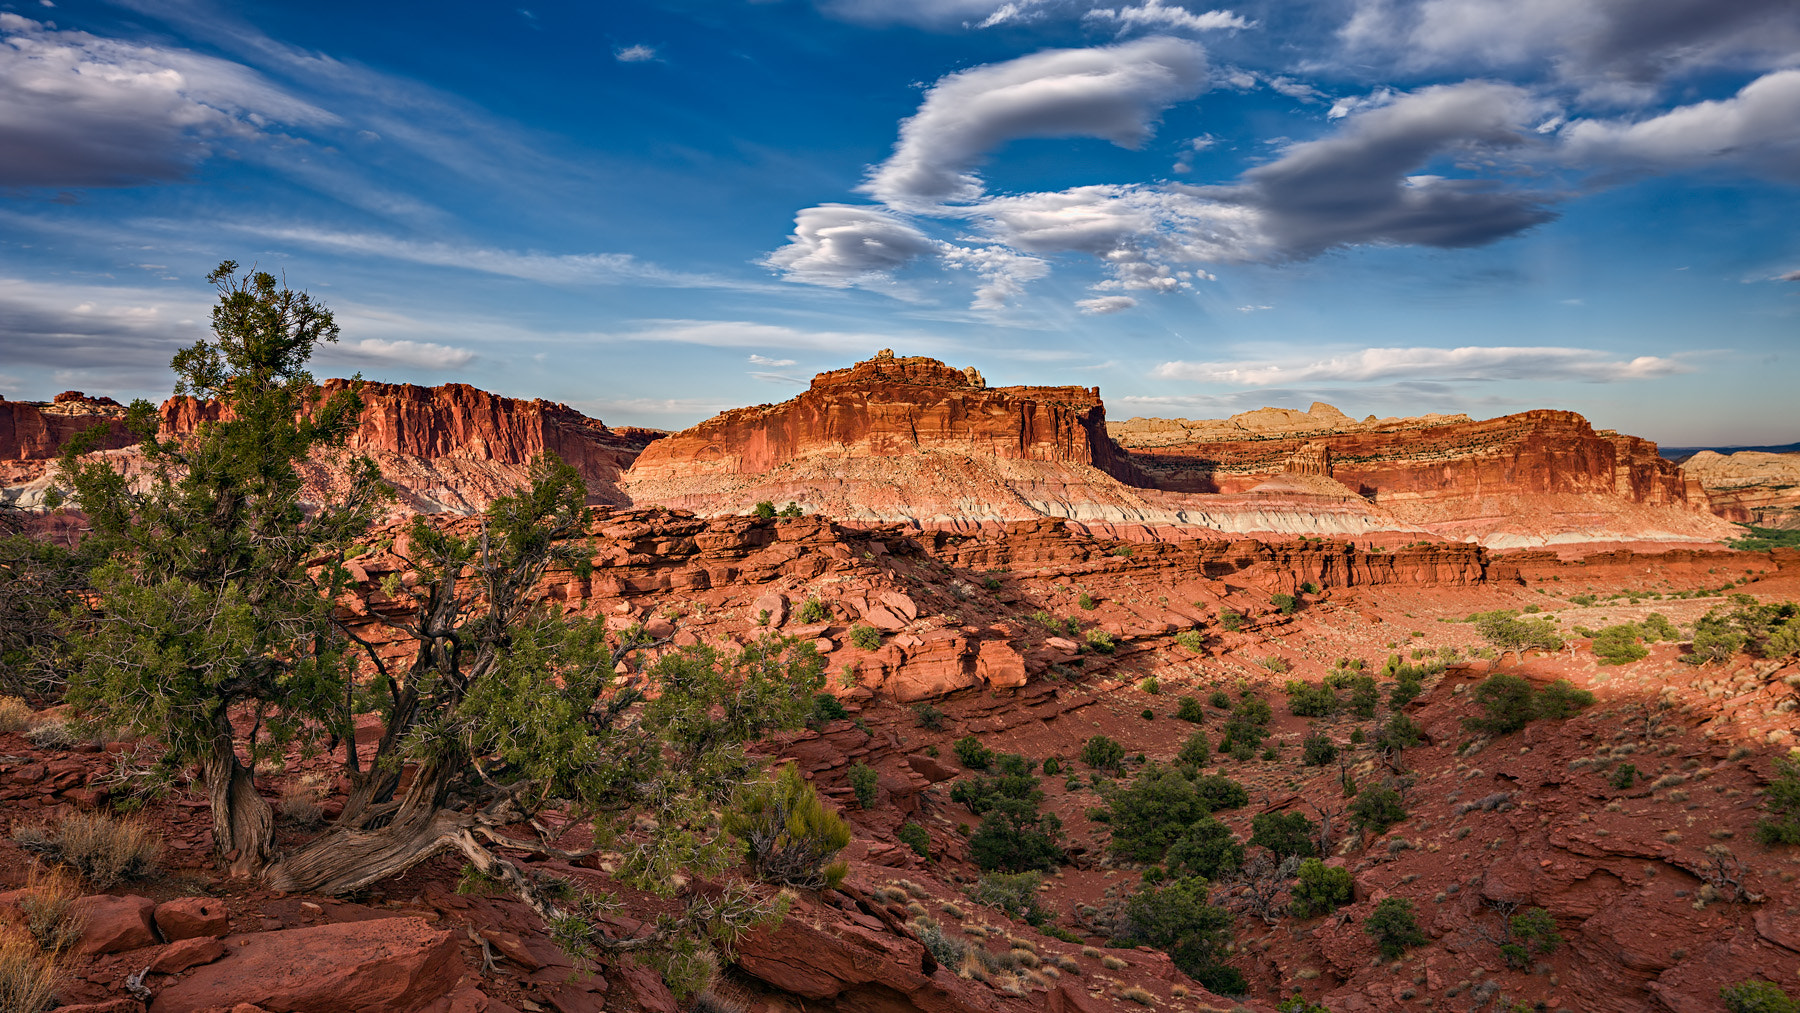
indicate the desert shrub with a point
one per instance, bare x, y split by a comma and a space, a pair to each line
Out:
1153, 812
865, 783
1318, 750
1087, 601
1399, 732
826, 709
300, 804
1510, 703
103, 850
972, 754
1275, 663
1177, 919
1358, 736
1536, 928
1218, 792
865, 637
1248, 725
1406, 689
764, 510
1376, 809
1015, 837
979, 793
1101, 642
1015, 893
1103, 753
1763, 630
1232, 621
1195, 751
47, 903
789, 835
1364, 697
1193, 640
1147, 714
1394, 927
1284, 834
1310, 700
1207, 849
1052, 766
1758, 997
814, 611
1782, 802
1286, 604
1297, 1003
791, 510
1189, 709
1623, 776
15, 715
28, 978
914, 836
1618, 645
50, 735
1320, 888
1508, 633
1560, 700
928, 716
1220, 699
946, 949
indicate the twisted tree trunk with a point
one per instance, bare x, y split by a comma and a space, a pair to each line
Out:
243, 823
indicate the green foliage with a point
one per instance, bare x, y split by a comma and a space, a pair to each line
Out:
1310, 587
789, 836
1510, 703
1189, 709
1284, 834
1376, 809
1248, 725
1561, 700
1782, 801
1321, 888
1052, 766
1618, 645
1193, 640
1015, 837
1358, 736
1218, 792
1207, 849
1536, 928
1147, 714
1394, 927
791, 510
865, 637
1220, 699
914, 836
928, 716
1087, 601
1297, 1004
813, 611
1101, 642
1400, 732
826, 709
972, 754
1758, 997
978, 793
1318, 750
1767, 631
1507, 632
1364, 697
1623, 776
1176, 918
764, 510
1153, 812
1103, 753
1016, 894
1310, 700
1195, 751
865, 784
1286, 604
1757, 539
1231, 621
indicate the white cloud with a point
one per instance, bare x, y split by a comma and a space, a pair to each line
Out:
763, 360
840, 245
1104, 304
638, 53
1109, 92
1253, 308
77, 110
1790, 276
1444, 364
1155, 15
781, 378
745, 334
1757, 128
1298, 90
406, 353
1003, 272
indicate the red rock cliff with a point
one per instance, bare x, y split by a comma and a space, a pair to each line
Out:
35, 431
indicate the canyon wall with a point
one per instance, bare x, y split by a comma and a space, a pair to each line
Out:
1750, 487
37, 431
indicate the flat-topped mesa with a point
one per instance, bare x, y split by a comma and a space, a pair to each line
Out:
37, 430
885, 407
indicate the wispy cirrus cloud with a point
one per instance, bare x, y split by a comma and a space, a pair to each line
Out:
1469, 363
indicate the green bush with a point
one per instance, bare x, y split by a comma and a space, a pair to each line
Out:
1623, 776
1377, 809
1286, 604
1318, 750
865, 783
1758, 997
865, 637
928, 716
1393, 927
1220, 699
1193, 640
1015, 837
1101, 642
1195, 751
1177, 919
1297, 1004
1284, 834
1103, 753
1364, 697
914, 836
1320, 888
1016, 894
1153, 812
764, 510
1307, 700
814, 611
1782, 801
1232, 621
1207, 849
972, 754
1536, 928
1247, 726
1618, 645
1218, 792
1400, 732
1147, 714
789, 836
1561, 700
1087, 602
1189, 709
1358, 736
1509, 633
826, 709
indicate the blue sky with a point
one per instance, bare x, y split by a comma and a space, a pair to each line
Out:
657, 210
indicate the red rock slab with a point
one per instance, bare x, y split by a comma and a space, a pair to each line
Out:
116, 924
187, 953
191, 918
393, 965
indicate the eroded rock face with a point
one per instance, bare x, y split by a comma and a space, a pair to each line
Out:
36, 431
1750, 487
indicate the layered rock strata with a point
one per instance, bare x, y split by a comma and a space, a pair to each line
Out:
1750, 487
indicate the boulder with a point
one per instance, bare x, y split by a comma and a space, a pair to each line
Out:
115, 924
387, 965
776, 605
192, 952
191, 917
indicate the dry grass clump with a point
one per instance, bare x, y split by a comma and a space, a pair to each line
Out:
1092, 952
50, 735
951, 910
1137, 995
47, 904
15, 716
1068, 963
302, 800
28, 977
1025, 958
103, 850
1113, 964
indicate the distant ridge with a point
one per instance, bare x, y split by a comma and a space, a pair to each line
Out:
1680, 454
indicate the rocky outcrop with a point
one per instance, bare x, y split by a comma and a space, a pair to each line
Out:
1750, 487
38, 430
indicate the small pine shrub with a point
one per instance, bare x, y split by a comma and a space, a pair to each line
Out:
1103, 753
1377, 809
1101, 642
789, 836
1321, 888
1537, 928
1318, 751
1014, 893
1148, 714
1624, 776
1782, 802
928, 716
865, 637
1220, 699
1087, 601
972, 754
1286, 604
1284, 834
814, 611
1394, 927
1231, 621
1189, 709
1190, 639
826, 709
865, 783
914, 836
1195, 751
1152, 686
1758, 997
764, 510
